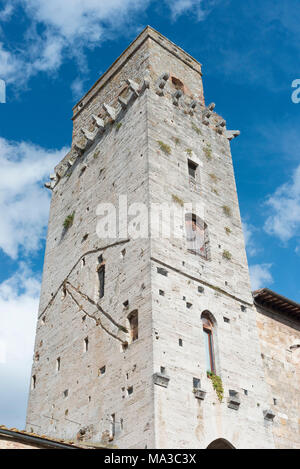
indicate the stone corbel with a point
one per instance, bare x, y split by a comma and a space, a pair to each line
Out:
231, 134
192, 107
145, 85
133, 86
79, 147
161, 379
90, 136
233, 401
110, 111
176, 96
162, 81
99, 123
207, 113
199, 394
220, 126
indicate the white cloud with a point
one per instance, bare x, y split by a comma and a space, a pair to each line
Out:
284, 205
19, 298
7, 11
24, 202
67, 28
251, 246
260, 275
77, 87
198, 8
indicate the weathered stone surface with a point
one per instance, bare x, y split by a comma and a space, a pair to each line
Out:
145, 157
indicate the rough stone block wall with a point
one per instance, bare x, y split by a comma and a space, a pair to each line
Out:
142, 152
115, 165
279, 336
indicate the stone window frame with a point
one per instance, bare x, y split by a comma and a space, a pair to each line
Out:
133, 323
209, 330
199, 222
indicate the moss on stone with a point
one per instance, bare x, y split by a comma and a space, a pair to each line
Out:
217, 385
177, 200
227, 255
68, 222
164, 147
227, 210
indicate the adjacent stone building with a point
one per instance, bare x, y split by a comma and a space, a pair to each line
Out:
147, 335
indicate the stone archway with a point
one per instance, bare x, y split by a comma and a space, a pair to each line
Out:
220, 444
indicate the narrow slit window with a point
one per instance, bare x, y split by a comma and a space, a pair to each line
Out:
112, 426
86, 344
101, 280
134, 325
33, 382
58, 364
196, 235
209, 344
192, 168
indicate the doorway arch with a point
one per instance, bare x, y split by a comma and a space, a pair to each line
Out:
220, 444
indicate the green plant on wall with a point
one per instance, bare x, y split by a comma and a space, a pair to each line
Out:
68, 222
196, 129
189, 151
177, 200
228, 230
118, 125
176, 140
217, 385
213, 177
208, 152
227, 210
227, 255
164, 147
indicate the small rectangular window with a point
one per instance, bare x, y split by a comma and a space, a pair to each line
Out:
86, 344
112, 426
162, 271
101, 279
192, 169
33, 382
196, 383
134, 325
58, 364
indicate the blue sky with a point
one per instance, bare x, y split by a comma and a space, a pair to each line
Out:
52, 52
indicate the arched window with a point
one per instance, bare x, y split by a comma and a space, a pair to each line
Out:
220, 444
196, 235
208, 342
133, 319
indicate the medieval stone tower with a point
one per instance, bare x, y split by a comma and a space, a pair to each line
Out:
129, 326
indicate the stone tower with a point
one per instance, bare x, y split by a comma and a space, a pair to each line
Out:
129, 325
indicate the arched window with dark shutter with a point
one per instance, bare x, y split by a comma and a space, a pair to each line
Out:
196, 235
133, 320
208, 332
